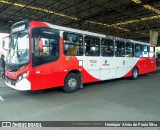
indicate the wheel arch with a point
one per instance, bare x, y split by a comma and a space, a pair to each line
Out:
76, 72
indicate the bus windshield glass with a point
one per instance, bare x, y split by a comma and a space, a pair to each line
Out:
18, 48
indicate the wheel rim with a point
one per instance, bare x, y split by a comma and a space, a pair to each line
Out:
72, 83
135, 73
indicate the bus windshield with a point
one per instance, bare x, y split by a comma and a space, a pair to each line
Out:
18, 48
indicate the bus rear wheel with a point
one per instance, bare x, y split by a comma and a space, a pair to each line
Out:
72, 83
135, 73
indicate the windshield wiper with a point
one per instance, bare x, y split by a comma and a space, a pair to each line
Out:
14, 68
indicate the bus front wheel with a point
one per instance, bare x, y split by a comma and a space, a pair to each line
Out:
135, 73
71, 83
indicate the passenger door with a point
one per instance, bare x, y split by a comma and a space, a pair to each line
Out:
92, 51
45, 51
146, 62
108, 63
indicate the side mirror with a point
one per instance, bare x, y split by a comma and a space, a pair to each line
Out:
5, 43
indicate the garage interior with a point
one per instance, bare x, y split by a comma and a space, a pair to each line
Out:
113, 100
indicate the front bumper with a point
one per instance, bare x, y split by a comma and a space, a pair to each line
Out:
22, 85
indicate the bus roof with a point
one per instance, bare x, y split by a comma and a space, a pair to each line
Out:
139, 42
75, 30
83, 32
91, 33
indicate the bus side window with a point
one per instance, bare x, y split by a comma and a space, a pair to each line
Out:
35, 46
54, 50
151, 51
92, 46
129, 49
145, 50
72, 44
107, 47
119, 49
45, 45
138, 50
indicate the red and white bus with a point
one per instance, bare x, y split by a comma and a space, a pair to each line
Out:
42, 55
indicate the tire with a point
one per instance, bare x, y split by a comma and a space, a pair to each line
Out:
71, 83
135, 73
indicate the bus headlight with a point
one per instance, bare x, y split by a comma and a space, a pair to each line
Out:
22, 76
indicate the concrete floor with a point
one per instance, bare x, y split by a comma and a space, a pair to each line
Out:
116, 100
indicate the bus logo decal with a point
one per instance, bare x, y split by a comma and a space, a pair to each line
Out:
105, 63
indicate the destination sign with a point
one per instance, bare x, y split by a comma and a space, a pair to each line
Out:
18, 28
